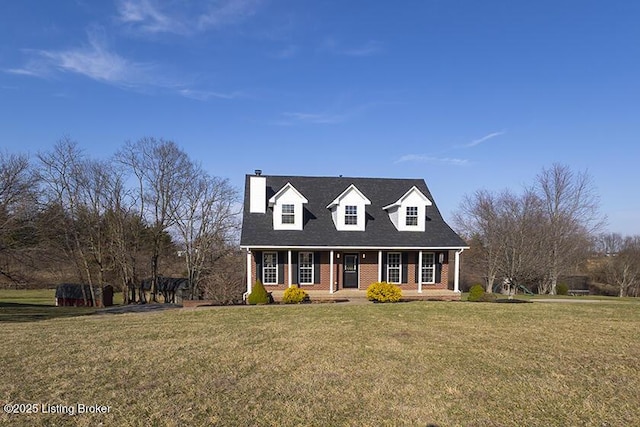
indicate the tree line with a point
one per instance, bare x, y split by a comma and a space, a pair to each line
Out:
146, 211
527, 240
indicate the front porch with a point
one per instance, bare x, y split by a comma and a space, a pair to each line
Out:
356, 295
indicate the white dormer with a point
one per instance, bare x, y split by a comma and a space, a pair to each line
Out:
348, 210
409, 212
288, 208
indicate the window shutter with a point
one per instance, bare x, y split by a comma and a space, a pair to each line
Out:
405, 267
438, 268
317, 262
258, 258
282, 257
295, 276
384, 266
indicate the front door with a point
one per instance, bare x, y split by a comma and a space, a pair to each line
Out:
350, 271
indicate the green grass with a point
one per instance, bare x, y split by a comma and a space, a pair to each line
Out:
418, 363
39, 304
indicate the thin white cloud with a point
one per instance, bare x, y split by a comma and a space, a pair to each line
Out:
222, 13
93, 60
203, 95
485, 138
422, 158
330, 117
371, 47
147, 16
315, 118
285, 53
97, 61
26, 71
184, 18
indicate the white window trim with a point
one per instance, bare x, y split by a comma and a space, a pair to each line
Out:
291, 214
351, 215
264, 268
399, 267
300, 254
415, 217
432, 268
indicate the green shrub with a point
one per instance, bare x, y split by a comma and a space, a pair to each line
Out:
294, 295
384, 292
476, 293
258, 295
488, 297
562, 289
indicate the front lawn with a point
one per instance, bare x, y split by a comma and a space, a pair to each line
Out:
416, 363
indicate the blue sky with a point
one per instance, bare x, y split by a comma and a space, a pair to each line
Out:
465, 94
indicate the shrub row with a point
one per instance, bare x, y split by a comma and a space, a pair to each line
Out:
292, 295
378, 292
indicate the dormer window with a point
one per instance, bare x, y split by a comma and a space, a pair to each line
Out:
412, 216
288, 210
288, 214
348, 210
409, 212
351, 215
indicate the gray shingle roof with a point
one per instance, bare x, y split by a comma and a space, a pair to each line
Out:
319, 229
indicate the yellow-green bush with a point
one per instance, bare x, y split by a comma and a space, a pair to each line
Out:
294, 295
476, 293
259, 294
384, 292
562, 289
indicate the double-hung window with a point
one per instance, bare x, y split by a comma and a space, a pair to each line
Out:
270, 268
288, 214
305, 268
412, 216
351, 215
428, 269
394, 267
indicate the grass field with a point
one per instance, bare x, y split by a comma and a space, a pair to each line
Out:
418, 363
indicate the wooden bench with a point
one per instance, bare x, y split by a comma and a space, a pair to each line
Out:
576, 292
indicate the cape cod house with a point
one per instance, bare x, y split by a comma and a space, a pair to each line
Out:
334, 233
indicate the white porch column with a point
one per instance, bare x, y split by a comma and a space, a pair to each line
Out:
379, 266
456, 273
331, 268
289, 272
419, 278
248, 272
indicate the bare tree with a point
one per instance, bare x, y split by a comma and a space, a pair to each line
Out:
63, 176
608, 243
205, 220
17, 202
477, 220
571, 208
622, 268
162, 172
521, 225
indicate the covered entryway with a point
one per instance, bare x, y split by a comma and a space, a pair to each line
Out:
350, 271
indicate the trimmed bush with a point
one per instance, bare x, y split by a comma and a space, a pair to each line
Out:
488, 297
294, 295
562, 289
384, 292
258, 295
476, 293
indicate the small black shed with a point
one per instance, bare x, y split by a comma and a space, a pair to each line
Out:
79, 295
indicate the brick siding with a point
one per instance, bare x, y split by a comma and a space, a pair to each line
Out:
368, 272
